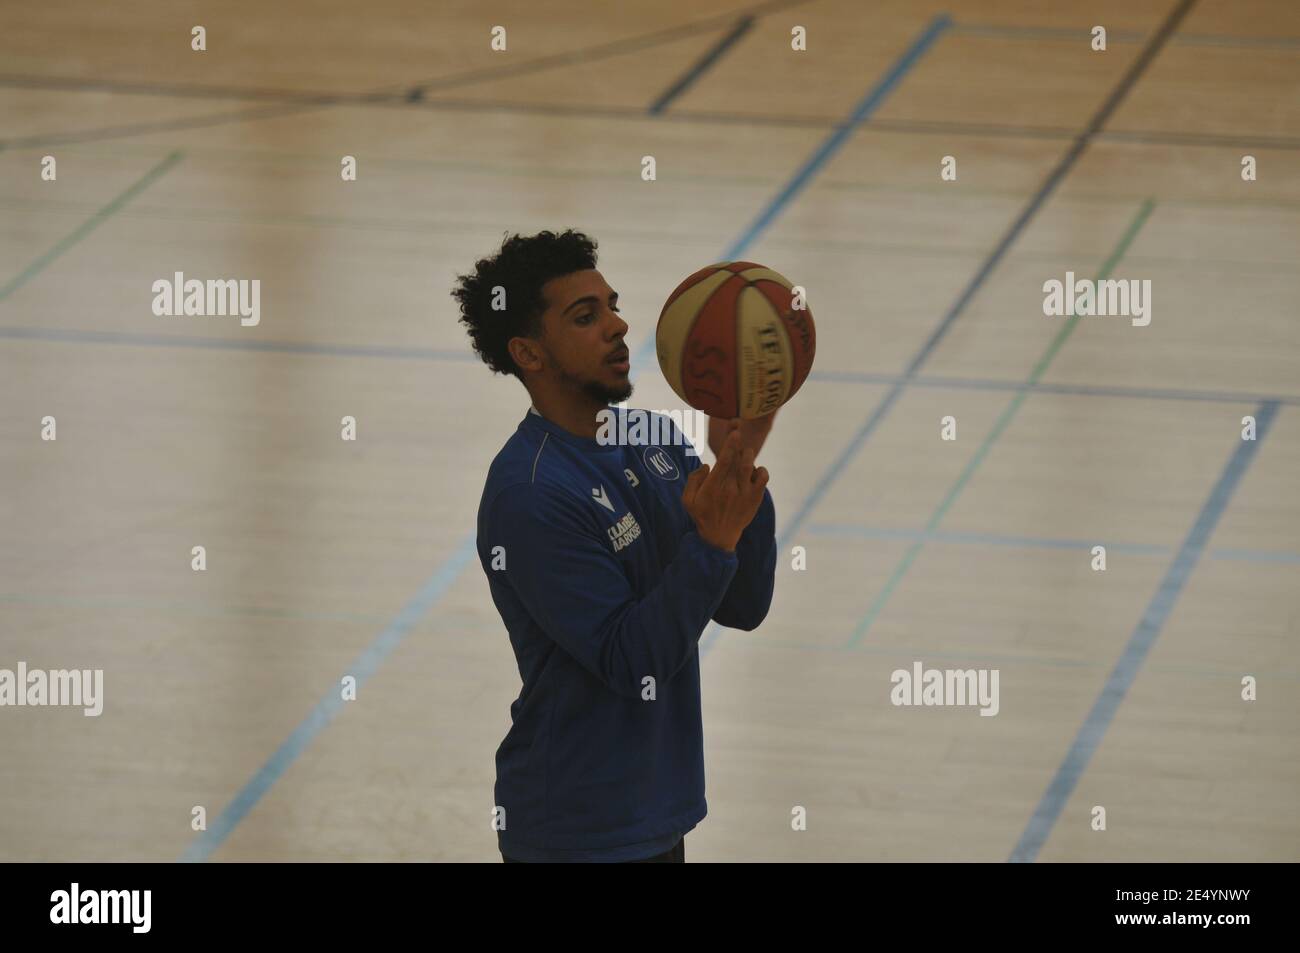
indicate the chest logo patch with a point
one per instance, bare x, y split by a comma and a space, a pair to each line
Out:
660, 464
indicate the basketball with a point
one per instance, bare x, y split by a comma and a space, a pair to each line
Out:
735, 340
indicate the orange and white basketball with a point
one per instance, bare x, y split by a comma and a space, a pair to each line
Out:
735, 340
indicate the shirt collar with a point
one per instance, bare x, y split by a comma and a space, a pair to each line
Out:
534, 418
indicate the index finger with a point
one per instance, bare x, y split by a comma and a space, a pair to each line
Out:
744, 468
727, 456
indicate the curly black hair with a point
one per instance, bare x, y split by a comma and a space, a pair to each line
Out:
522, 266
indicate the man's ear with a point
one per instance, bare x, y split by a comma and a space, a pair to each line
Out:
525, 353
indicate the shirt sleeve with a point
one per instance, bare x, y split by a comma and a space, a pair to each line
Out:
566, 574
749, 596
750, 592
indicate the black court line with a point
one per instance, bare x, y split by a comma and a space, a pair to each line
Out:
712, 118
398, 92
602, 51
999, 31
1142, 137
1222, 140
613, 48
102, 133
1055, 177
392, 94
288, 102
294, 101
74, 84
1013, 232
1246, 141
702, 66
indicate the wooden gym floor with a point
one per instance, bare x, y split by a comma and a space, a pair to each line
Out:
1120, 689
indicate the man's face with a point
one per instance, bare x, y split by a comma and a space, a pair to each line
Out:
583, 336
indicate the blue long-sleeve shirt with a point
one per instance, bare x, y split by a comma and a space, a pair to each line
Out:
605, 588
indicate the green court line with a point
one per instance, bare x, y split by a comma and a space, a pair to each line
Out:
88, 226
1000, 425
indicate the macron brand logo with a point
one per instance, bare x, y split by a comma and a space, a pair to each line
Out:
602, 498
102, 906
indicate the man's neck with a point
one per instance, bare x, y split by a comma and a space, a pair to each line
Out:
577, 417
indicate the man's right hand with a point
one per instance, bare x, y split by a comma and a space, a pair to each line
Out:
722, 500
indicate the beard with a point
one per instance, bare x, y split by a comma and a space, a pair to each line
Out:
606, 394
598, 390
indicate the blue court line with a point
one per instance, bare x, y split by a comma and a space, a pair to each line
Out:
208, 841
1256, 556
839, 136
1045, 190
999, 426
982, 539
1139, 644
1045, 387
714, 54
820, 156
912, 651
73, 336
201, 848
461, 355
1266, 556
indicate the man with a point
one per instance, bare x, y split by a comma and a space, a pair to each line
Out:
606, 563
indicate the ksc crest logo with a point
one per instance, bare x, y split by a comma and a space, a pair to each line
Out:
658, 462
